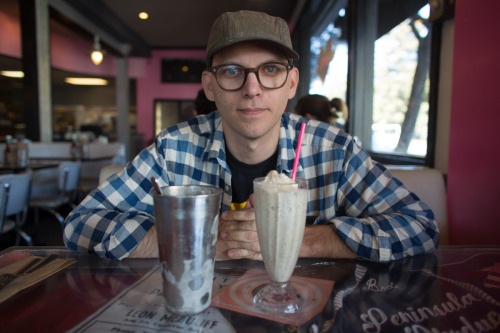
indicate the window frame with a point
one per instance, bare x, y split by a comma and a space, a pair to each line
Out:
361, 16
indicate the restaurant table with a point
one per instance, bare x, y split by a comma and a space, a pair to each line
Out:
66, 159
455, 289
6, 168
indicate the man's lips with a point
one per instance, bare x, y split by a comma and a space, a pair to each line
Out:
252, 111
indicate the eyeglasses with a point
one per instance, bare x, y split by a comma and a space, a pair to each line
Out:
271, 75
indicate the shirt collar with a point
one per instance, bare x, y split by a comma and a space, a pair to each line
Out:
215, 146
287, 145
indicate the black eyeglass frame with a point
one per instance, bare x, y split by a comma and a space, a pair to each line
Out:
254, 70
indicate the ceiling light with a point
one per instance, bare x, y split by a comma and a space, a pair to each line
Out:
86, 81
97, 54
16, 74
143, 15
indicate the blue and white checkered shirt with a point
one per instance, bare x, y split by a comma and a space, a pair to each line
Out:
376, 216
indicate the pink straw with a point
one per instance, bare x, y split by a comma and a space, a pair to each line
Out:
297, 155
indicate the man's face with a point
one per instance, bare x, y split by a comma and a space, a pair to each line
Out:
253, 112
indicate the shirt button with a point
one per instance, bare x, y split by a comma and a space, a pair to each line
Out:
227, 188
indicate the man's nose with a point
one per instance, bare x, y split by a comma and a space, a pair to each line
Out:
252, 86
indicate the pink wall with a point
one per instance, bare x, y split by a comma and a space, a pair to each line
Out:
69, 52
474, 155
10, 36
149, 88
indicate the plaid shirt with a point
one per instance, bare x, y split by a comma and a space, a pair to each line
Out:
375, 215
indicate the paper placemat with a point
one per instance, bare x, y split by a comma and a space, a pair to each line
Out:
140, 308
28, 280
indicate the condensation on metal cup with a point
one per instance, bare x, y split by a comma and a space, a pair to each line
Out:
187, 219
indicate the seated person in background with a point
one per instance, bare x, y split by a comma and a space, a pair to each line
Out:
360, 209
318, 107
202, 105
339, 108
315, 107
187, 113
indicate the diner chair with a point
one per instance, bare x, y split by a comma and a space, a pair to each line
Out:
429, 185
68, 187
13, 213
4, 192
109, 170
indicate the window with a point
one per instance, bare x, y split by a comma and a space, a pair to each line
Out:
329, 57
401, 88
329, 60
376, 55
389, 86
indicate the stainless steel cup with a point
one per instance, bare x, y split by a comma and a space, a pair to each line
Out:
187, 219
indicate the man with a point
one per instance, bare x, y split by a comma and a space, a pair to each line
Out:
361, 210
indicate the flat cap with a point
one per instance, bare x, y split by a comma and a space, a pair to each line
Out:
245, 25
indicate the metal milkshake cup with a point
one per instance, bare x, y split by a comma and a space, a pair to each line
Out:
187, 219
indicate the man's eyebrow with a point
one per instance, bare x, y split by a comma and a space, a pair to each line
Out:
229, 64
285, 61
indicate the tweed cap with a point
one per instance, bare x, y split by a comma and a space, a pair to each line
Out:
245, 25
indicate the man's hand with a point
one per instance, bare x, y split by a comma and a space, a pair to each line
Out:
237, 237
148, 246
320, 241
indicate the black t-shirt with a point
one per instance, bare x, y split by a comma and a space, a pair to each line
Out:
242, 176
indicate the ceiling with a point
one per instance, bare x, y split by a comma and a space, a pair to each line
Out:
171, 23
187, 23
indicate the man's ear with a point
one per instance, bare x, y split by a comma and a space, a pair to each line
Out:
206, 81
293, 76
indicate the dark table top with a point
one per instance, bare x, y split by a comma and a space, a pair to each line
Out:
65, 159
454, 289
33, 165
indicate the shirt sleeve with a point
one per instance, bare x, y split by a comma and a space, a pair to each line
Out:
377, 216
116, 216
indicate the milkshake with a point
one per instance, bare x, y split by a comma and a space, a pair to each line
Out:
280, 213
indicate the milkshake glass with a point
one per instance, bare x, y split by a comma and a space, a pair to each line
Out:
280, 213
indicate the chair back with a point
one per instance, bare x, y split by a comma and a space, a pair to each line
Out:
69, 180
428, 184
4, 193
19, 193
109, 170
69, 176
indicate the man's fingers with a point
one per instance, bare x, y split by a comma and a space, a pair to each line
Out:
245, 214
235, 226
251, 246
239, 235
244, 254
233, 250
224, 247
251, 201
